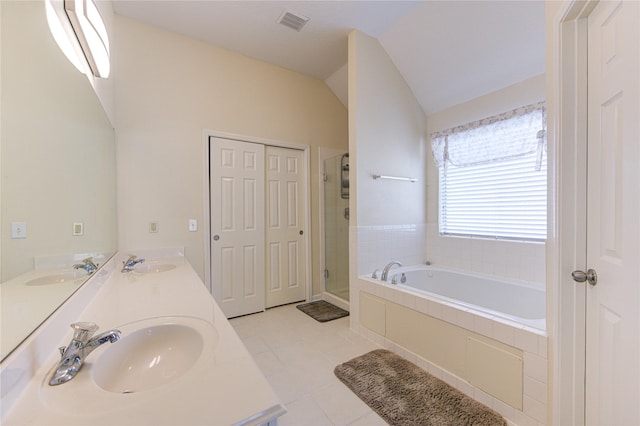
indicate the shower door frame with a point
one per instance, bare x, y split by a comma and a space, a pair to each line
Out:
325, 154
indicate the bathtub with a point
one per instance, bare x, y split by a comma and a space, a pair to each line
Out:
467, 329
516, 301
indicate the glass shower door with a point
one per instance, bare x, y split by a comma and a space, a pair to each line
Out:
336, 226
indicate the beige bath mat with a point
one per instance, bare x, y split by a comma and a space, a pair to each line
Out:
404, 394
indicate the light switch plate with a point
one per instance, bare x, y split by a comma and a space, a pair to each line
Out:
193, 225
154, 227
18, 229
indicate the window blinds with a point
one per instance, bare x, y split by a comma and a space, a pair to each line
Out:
502, 194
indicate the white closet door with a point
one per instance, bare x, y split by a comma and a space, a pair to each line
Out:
613, 215
286, 237
237, 226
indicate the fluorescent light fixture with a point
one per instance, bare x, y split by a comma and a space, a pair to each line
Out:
63, 34
80, 32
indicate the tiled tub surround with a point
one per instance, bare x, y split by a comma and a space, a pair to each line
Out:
511, 259
225, 387
378, 245
438, 334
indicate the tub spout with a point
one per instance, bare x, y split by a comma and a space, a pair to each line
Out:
385, 271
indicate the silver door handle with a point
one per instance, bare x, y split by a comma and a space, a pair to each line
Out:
216, 237
590, 276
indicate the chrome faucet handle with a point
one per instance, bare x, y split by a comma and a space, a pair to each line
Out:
127, 265
82, 331
82, 344
375, 273
87, 264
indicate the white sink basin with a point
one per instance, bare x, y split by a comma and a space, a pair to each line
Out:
152, 268
63, 277
152, 353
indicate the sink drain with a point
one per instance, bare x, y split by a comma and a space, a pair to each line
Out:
128, 391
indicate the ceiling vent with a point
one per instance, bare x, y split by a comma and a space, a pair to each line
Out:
290, 20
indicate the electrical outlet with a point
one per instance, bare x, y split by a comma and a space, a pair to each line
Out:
18, 229
78, 229
193, 225
154, 227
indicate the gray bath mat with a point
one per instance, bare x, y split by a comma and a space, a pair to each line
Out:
322, 311
404, 394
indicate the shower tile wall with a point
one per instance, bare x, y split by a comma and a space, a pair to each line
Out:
523, 261
379, 245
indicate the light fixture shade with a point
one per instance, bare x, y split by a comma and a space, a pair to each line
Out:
64, 35
91, 33
85, 32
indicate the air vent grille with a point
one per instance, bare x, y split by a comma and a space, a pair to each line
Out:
292, 21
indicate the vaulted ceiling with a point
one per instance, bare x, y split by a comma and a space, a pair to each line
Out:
448, 51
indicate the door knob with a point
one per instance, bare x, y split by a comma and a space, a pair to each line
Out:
590, 276
216, 237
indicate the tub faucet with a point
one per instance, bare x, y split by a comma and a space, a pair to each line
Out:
81, 345
385, 271
87, 264
127, 266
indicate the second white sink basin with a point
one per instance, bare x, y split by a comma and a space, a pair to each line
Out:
151, 268
152, 353
60, 278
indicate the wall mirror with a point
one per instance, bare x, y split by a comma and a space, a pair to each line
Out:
58, 184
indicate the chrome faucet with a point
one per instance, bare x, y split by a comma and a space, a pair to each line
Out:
81, 345
87, 264
385, 271
127, 266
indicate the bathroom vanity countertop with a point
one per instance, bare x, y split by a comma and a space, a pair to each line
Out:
227, 388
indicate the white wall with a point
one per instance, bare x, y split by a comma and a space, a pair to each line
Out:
525, 261
338, 82
386, 136
169, 89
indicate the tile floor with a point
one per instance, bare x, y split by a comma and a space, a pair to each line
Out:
297, 356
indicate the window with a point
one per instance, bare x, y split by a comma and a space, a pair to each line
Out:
493, 176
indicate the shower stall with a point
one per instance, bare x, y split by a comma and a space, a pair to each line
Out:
336, 227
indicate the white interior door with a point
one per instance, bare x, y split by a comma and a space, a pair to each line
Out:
237, 226
613, 216
285, 232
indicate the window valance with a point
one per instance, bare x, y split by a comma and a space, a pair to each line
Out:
512, 134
